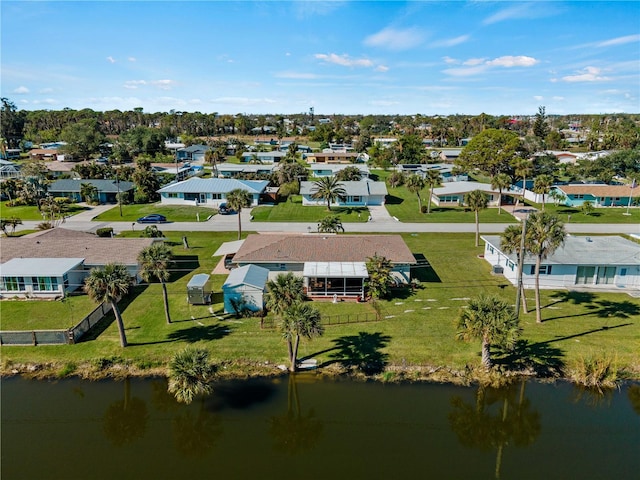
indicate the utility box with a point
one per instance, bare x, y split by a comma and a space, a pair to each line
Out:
199, 290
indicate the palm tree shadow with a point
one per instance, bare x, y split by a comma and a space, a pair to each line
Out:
541, 359
607, 309
198, 333
362, 351
577, 298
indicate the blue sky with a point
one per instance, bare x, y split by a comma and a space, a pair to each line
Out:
356, 57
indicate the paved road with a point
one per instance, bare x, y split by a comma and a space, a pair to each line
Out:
379, 224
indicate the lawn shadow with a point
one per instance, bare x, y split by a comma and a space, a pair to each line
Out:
183, 265
423, 271
393, 200
362, 351
200, 332
574, 297
606, 309
582, 334
540, 358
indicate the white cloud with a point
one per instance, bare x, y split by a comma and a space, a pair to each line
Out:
45, 90
619, 41
538, 97
21, 90
110, 59
465, 71
509, 61
161, 84
522, 11
589, 74
558, 99
382, 68
474, 61
344, 60
451, 42
393, 39
132, 59
450, 61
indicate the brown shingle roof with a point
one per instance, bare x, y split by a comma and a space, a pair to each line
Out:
264, 248
600, 190
62, 243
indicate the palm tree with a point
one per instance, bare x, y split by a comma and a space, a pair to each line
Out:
523, 168
501, 182
490, 319
542, 185
511, 242
189, 374
433, 180
154, 262
545, 233
238, 199
380, 278
349, 174
329, 189
88, 192
477, 200
330, 224
415, 183
108, 284
299, 320
282, 292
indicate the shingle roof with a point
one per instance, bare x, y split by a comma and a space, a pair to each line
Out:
74, 185
600, 190
463, 187
360, 188
61, 243
215, 185
583, 250
283, 248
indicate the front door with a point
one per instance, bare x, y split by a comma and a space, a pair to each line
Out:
203, 198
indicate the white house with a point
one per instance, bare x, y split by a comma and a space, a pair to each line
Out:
598, 262
263, 157
358, 194
209, 192
231, 170
245, 288
330, 169
452, 193
46, 278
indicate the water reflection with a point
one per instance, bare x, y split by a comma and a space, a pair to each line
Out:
125, 420
195, 435
294, 431
499, 418
634, 397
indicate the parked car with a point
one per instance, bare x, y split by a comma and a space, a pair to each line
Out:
223, 209
152, 218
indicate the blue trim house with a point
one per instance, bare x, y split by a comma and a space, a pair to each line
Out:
192, 153
599, 195
209, 192
107, 189
359, 194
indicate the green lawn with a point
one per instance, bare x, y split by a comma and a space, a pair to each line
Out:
418, 327
293, 211
599, 215
174, 213
32, 212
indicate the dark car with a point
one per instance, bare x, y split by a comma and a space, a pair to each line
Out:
153, 218
223, 209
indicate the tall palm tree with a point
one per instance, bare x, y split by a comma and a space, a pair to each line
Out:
523, 168
330, 224
490, 319
433, 180
108, 284
477, 200
88, 192
299, 320
154, 262
238, 199
329, 189
511, 242
542, 185
545, 233
283, 291
189, 374
415, 183
501, 182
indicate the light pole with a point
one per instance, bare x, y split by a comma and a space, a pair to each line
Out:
520, 287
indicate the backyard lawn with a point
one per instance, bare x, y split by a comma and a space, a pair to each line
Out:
26, 212
293, 211
417, 327
174, 213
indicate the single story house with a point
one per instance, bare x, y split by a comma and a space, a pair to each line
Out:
330, 169
51, 263
209, 192
444, 169
107, 190
262, 157
299, 149
452, 193
598, 262
599, 195
334, 157
329, 264
56, 169
48, 154
358, 194
244, 288
192, 153
232, 170
181, 171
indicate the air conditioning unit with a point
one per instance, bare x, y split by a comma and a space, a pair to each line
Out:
497, 270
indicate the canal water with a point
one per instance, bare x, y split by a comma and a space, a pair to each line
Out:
307, 428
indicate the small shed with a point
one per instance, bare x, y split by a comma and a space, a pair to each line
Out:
199, 290
245, 287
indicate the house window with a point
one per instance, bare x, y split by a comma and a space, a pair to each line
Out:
65, 281
544, 270
14, 284
579, 196
191, 196
283, 266
356, 198
623, 272
216, 196
172, 195
44, 284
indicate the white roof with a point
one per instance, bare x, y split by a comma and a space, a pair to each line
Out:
335, 269
228, 247
463, 187
252, 275
38, 267
215, 185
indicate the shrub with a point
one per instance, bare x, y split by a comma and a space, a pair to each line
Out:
67, 370
596, 373
104, 232
152, 231
45, 226
423, 209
